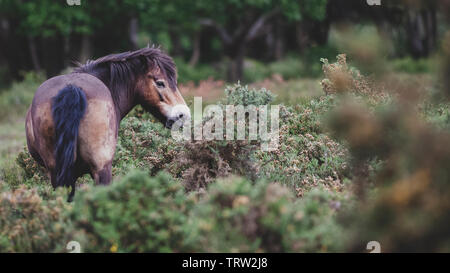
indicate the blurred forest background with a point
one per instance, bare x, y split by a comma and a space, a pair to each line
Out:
47, 36
364, 154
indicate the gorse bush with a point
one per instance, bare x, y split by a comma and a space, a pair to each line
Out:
243, 95
30, 224
204, 161
410, 210
239, 216
136, 214
143, 214
306, 156
31, 169
143, 143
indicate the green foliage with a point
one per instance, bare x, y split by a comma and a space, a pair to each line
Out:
30, 224
242, 95
31, 169
408, 211
306, 156
48, 18
412, 66
18, 97
143, 143
288, 68
237, 216
136, 214
187, 73
142, 214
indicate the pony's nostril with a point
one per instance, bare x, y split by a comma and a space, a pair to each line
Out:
181, 115
169, 123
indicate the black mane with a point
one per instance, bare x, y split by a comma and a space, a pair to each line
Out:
119, 71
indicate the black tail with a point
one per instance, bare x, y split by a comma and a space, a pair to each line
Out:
68, 108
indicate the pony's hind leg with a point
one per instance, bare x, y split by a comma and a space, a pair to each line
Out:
103, 176
98, 139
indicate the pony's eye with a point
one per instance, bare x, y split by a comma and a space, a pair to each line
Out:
160, 84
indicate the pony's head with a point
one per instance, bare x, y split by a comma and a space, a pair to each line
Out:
158, 93
147, 77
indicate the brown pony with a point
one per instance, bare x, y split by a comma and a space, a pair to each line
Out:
73, 121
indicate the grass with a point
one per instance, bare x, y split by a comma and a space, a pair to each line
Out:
12, 139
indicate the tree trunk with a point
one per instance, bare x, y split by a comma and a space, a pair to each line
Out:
301, 34
34, 54
133, 32
236, 65
66, 50
86, 49
177, 49
195, 49
421, 32
279, 43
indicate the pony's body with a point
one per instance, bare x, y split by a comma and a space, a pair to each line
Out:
73, 122
97, 130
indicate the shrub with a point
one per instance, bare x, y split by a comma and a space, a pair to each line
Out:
241, 95
136, 214
412, 66
30, 224
306, 156
204, 161
31, 169
144, 143
409, 211
238, 216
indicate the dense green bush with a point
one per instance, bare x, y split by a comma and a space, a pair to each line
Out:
30, 224
143, 143
238, 216
206, 160
238, 94
136, 214
306, 156
143, 214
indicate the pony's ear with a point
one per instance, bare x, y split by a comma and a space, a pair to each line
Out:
77, 63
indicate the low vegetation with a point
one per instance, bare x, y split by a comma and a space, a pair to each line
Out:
352, 167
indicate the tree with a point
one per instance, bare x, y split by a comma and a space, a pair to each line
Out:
415, 21
239, 22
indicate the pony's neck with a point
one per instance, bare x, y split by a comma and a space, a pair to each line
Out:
124, 101
123, 96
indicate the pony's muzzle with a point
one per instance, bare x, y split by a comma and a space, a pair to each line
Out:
178, 115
